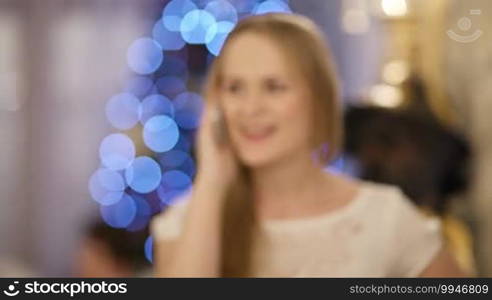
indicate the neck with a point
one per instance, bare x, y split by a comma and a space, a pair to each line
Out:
288, 179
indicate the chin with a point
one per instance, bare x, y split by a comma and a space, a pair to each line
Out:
257, 159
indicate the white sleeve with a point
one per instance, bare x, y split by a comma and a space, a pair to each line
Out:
168, 224
415, 238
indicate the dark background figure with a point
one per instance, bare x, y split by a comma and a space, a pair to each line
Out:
427, 160
111, 252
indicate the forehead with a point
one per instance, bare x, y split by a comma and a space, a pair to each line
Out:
255, 54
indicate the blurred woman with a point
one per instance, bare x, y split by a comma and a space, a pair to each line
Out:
262, 204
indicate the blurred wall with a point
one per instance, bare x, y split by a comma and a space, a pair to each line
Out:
60, 61
13, 135
469, 84
358, 56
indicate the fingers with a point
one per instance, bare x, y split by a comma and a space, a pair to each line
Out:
205, 123
209, 115
213, 126
206, 127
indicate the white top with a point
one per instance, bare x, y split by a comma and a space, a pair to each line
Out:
380, 233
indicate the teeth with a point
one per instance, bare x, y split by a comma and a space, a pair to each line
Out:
257, 131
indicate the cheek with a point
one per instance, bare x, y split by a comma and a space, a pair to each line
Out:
295, 118
230, 112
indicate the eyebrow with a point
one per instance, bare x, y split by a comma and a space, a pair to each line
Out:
234, 77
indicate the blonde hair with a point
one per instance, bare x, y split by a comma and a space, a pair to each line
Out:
301, 40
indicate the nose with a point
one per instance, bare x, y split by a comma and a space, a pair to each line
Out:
253, 104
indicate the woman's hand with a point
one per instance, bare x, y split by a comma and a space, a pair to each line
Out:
217, 166
202, 228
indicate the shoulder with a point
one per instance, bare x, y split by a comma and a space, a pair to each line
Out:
411, 237
387, 199
384, 198
381, 191
394, 207
403, 211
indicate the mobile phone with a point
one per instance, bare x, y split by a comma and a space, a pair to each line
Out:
220, 129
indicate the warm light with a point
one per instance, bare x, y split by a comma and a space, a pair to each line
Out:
395, 72
386, 96
394, 8
355, 21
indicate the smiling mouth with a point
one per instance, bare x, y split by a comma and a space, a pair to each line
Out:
257, 134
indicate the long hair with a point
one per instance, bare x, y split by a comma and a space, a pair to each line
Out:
304, 45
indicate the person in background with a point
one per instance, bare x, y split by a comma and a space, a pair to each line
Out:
111, 252
262, 203
428, 161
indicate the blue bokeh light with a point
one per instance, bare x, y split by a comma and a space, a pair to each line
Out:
174, 12
171, 196
111, 180
244, 6
178, 160
154, 105
120, 214
184, 142
143, 207
169, 126
160, 133
174, 183
188, 108
222, 11
117, 151
201, 3
168, 40
106, 186
220, 31
145, 56
122, 111
139, 86
188, 167
272, 6
143, 175
175, 66
173, 158
195, 25
143, 214
176, 180
170, 86
149, 249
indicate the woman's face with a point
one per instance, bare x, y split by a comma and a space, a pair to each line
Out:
265, 101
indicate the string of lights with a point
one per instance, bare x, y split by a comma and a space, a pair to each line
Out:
158, 105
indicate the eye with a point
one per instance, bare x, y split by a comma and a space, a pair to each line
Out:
275, 86
233, 87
